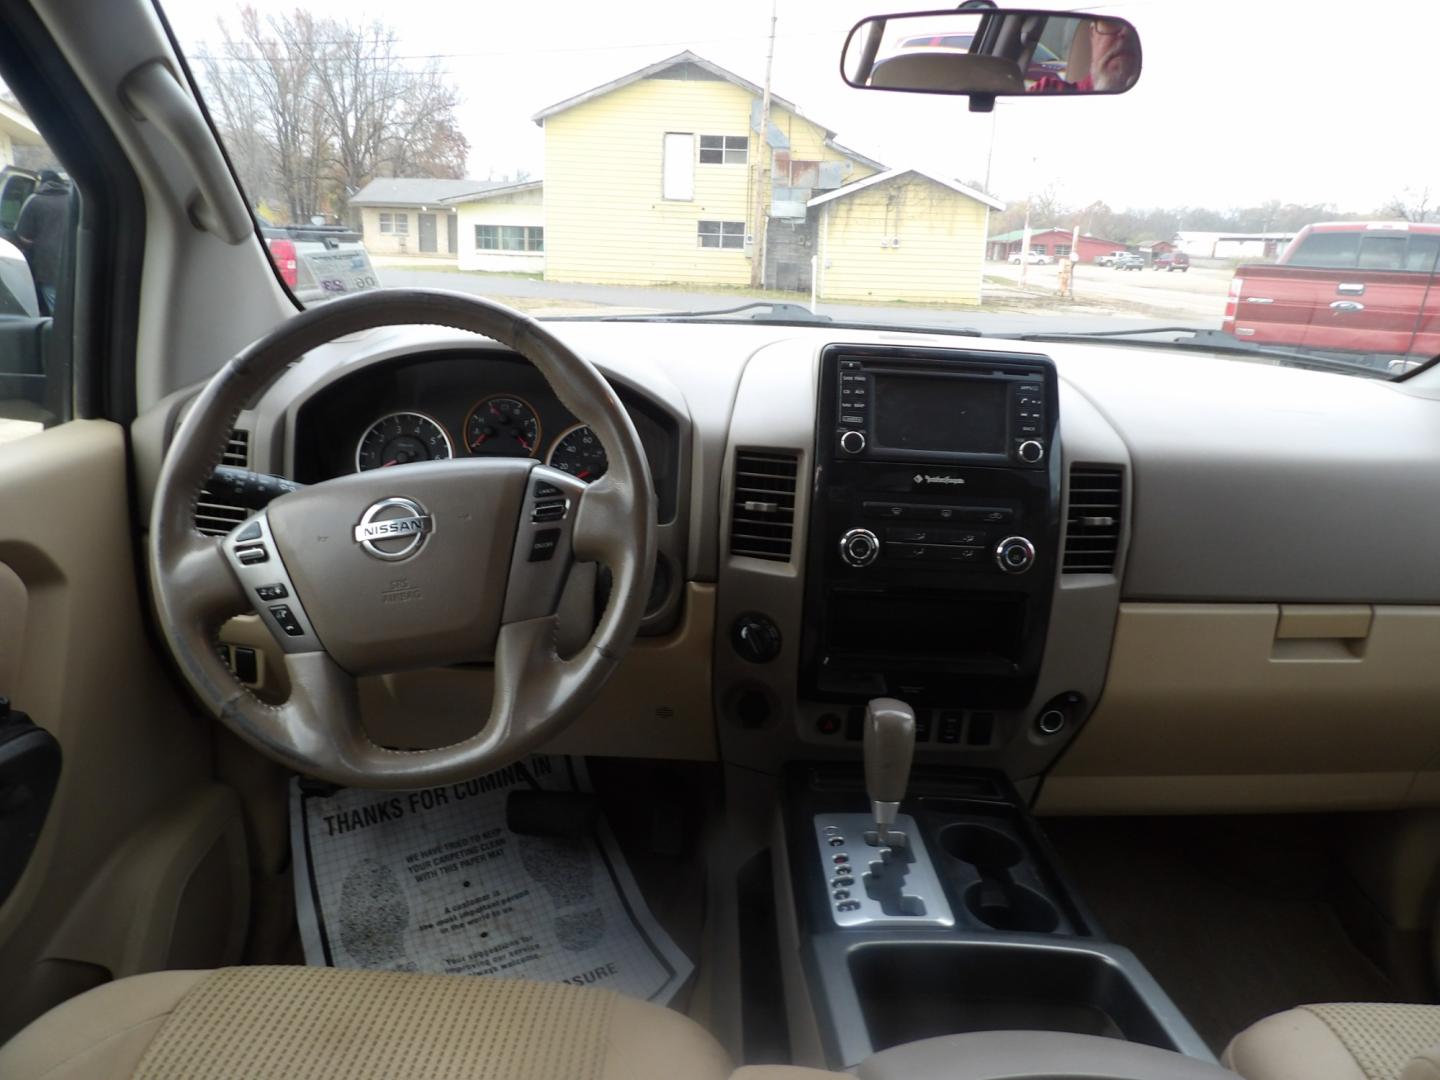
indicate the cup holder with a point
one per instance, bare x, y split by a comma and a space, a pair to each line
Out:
987, 849
997, 900
1004, 905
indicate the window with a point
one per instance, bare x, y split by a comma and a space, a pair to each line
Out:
1382, 252
678, 181
1422, 253
722, 234
1039, 249
724, 149
509, 238
1336, 250
394, 224
1062, 251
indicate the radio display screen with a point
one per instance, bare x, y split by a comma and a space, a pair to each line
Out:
940, 413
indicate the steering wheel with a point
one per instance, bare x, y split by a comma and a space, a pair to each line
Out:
404, 567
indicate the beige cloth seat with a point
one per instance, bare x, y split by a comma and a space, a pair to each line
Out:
298, 1023
1350, 1041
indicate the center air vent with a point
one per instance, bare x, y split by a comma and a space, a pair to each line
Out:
762, 519
1092, 522
217, 518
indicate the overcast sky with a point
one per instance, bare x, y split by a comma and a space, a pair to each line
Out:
1240, 101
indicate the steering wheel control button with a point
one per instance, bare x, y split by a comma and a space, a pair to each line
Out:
285, 619
550, 511
1030, 451
253, 554
545, 490
249, 532
276, 591
852, 442
859, 547
394, 529
1015, 554
543, 545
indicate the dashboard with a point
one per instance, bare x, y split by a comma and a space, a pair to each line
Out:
1227, 598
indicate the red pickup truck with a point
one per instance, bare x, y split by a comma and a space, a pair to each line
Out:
1345, 287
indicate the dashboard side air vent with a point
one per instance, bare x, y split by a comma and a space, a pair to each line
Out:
762, 519
215, 518
1093, 519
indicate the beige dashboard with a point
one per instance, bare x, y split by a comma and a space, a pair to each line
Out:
1266, 640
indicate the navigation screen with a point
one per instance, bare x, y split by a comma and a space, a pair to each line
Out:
940, 413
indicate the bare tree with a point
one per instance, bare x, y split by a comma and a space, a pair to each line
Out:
1411, 204
313, 110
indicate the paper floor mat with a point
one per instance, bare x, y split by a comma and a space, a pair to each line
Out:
432, 880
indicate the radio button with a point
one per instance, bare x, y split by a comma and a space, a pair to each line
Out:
1028, 427
850, 418
859, 547
849, 365
852, 442
889, 510
907, 552
1014, 554
1030, 451
913, 536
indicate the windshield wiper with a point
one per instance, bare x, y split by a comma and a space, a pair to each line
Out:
1217, 342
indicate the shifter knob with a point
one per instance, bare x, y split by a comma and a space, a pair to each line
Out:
889, 749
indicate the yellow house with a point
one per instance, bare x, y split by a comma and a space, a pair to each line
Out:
660, 176
502, 229
902, 235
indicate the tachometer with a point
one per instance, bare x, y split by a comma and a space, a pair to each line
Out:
503, 424
399, 439
578, 452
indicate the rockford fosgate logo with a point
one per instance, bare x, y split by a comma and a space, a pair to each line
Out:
922, 478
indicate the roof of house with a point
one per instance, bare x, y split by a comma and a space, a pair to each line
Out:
18, 126
494, 192
891, 174
1019, 234
418, 191
679, 59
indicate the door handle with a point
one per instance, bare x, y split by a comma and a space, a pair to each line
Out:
1347, 305
1351, 288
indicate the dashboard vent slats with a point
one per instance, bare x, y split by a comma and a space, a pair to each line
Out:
762, 518
215, 518
1094, 519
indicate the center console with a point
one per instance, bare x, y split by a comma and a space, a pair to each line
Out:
934, 530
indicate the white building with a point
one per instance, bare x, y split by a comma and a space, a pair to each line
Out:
1230, 245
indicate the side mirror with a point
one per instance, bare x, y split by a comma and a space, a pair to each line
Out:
992, 52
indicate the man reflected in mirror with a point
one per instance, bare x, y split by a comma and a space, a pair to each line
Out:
1108, 50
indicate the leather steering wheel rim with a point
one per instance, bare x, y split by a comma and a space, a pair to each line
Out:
197, 583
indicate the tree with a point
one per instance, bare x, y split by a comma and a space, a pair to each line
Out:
1410, 204
313, 110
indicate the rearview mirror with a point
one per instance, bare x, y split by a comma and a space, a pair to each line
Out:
992, 52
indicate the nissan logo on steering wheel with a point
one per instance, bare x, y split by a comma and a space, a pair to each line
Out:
394, 529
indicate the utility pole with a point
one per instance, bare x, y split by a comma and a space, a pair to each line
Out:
765, 164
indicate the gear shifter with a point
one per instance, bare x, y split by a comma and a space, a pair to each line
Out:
889, 749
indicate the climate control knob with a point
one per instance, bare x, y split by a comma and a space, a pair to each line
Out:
859, 547
1031, 451
1015, 554
852, 442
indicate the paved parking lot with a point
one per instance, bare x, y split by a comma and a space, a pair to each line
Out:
1198, 293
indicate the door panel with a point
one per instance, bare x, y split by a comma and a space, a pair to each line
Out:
142, 853
427, 234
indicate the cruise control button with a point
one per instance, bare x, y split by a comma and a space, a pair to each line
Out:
548, 511
543, 546
276, 591
282, 614
544, 490
249, 556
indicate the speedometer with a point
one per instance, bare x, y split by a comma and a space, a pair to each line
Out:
399, 439
578, 452
503, 424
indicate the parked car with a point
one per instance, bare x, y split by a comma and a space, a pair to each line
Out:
1344, 287
1109, 257
1128, 260
1034, 258
320, 262
1170, 261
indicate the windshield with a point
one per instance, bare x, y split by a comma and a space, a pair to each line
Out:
660, 158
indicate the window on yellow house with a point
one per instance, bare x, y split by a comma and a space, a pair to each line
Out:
724, 149
509, 238
721, 234
394, 224
678, 179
